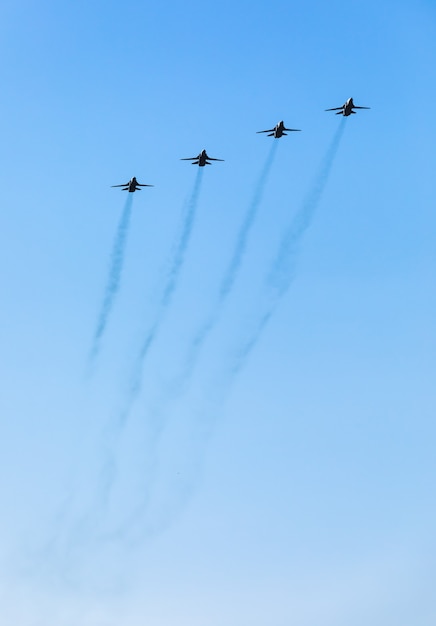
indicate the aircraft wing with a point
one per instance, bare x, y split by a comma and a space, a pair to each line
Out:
335, 109
191, 159
355, 107
212, 159
139, 185
295, 130
271, 130
125, 185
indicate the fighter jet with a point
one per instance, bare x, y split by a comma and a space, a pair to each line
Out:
347, 108
132, 185
201, 159
278, 130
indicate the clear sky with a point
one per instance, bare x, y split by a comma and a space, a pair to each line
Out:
253, 441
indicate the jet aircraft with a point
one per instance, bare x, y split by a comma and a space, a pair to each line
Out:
132, 185
201, 159
347, 108
278, 130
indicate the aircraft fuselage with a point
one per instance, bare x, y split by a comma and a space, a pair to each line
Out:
132, 185
348, 107
202, 158
278, 130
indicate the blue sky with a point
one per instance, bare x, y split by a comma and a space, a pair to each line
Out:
298, 489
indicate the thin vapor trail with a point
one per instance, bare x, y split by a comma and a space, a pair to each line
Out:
282, 271
170, 283
241, 242
109, 470
231, 271
113, 283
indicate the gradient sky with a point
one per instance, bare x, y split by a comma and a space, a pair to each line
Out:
298, 490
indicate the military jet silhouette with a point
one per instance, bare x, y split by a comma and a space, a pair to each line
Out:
132, 185
201, 159
279, 130
347, 108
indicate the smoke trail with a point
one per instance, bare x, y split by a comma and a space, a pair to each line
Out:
241, 243
282, 271
278, 280
115, 269
109, 470
231, 272
176, 263
136, 516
